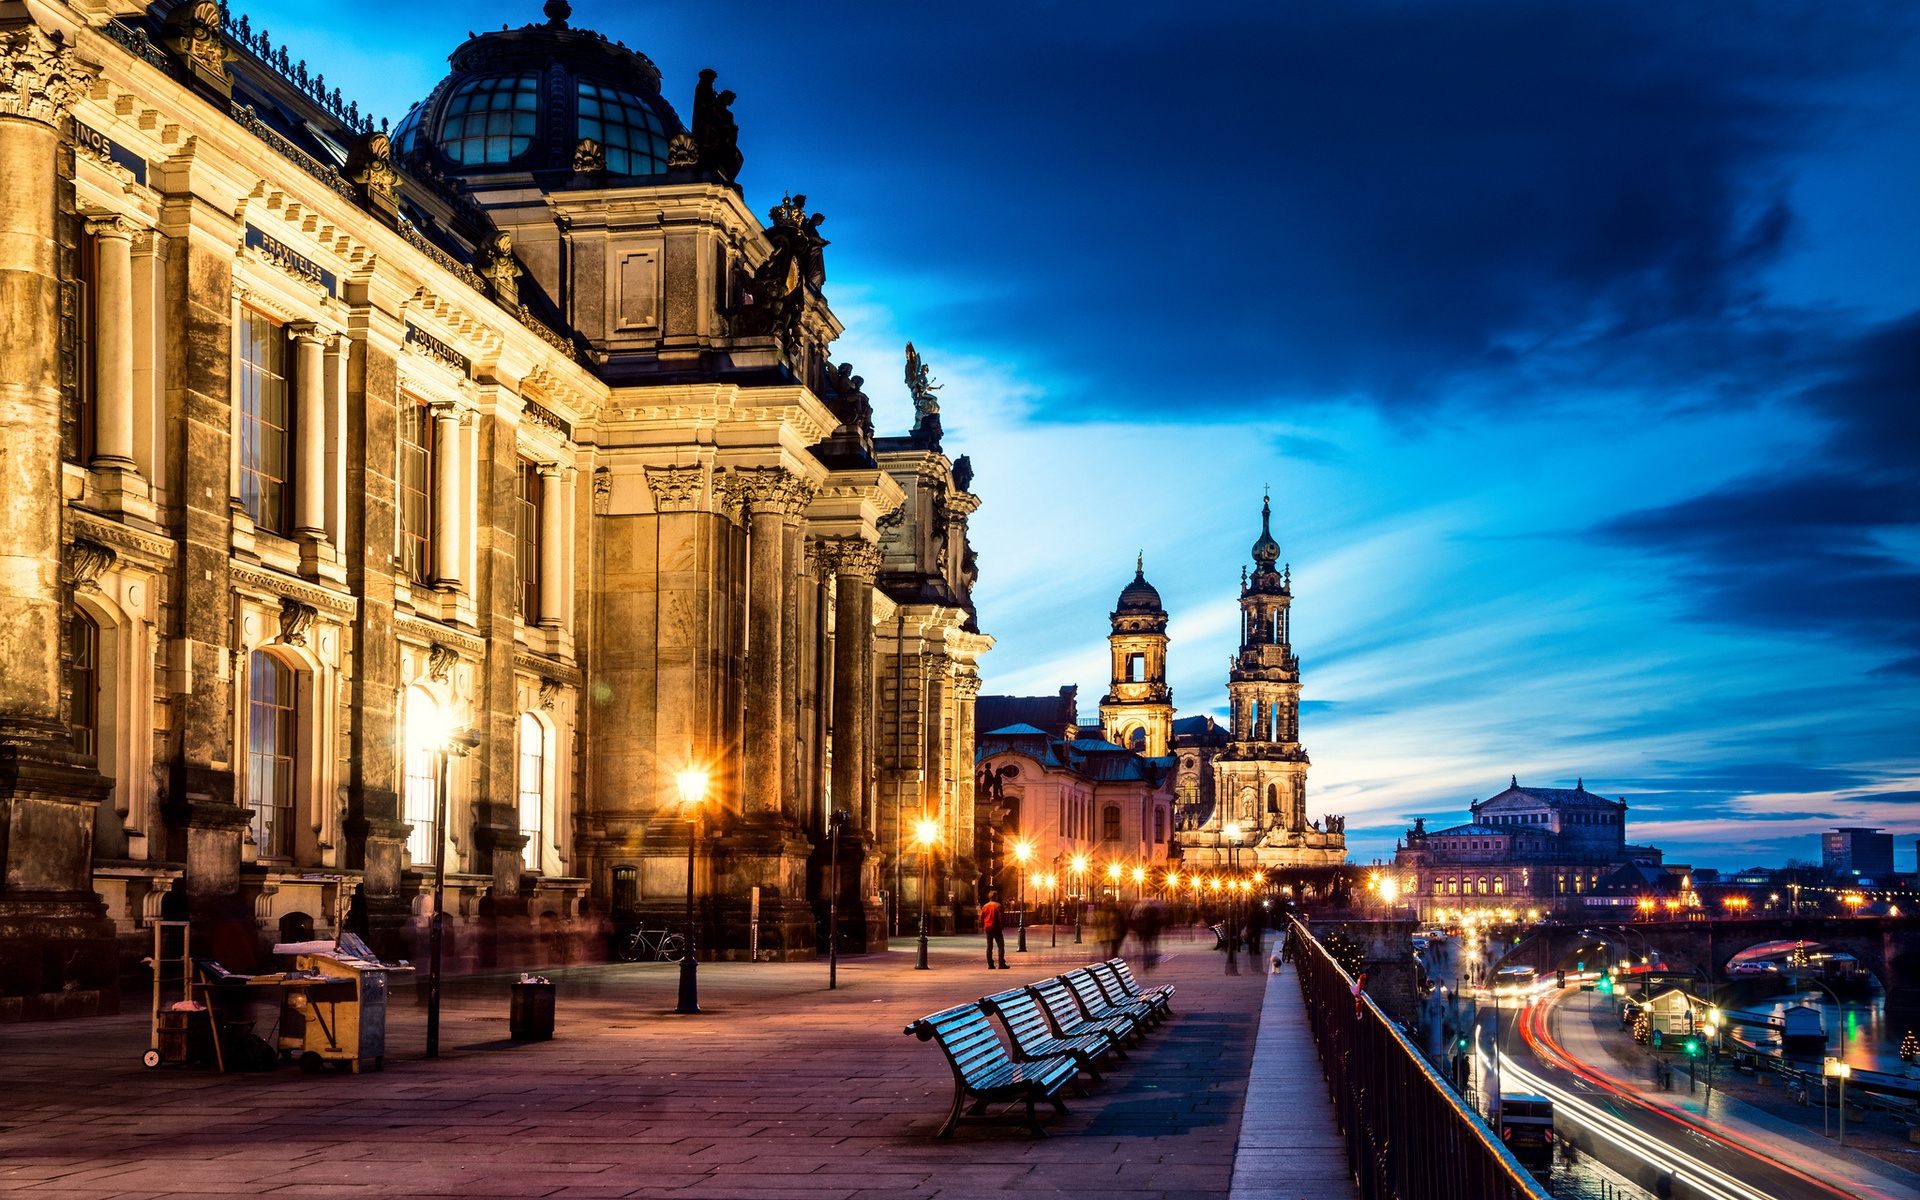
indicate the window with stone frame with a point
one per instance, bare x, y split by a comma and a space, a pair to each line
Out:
420, 786
83, 646
526, 556
1159, 825
87, 302
532, 786
266, 424
1112, 822
272, 740
415, 478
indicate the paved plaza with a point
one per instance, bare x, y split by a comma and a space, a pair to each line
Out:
780, 1088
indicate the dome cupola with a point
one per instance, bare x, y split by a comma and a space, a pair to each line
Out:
1266, 551
1139, 596
523, 100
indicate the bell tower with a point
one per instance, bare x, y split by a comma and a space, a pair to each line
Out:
1260, 781
1137, 710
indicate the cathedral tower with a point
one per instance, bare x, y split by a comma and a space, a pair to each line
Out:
1260, 782
1137, 711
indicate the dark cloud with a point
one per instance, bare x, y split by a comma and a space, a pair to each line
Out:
1740, 777
1813, 546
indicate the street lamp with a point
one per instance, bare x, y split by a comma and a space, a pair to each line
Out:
1114, 871
693, 792
925, 832
1022, 851
437, 730
1079, 864
1139, 882
1053, 904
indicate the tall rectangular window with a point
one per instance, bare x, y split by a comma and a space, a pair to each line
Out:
266, 425
84, 659
271, 734
88, 303
416, 489
533, 785
526, 557
422, 778
1112, 822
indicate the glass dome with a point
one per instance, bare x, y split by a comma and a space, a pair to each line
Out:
523, 100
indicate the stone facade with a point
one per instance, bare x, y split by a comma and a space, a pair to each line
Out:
320, 442
1258, 817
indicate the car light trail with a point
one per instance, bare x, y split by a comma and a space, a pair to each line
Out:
1533, 1030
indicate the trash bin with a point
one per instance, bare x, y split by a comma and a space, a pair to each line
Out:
531, 1019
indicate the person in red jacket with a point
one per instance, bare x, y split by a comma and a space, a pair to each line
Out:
992, 922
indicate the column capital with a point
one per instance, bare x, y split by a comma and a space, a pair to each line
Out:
111, 225
774, 491
306, 331
40, 77
676, 489
548, 470
849, 558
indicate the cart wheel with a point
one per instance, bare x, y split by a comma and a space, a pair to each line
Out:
150, 1059
311, 1063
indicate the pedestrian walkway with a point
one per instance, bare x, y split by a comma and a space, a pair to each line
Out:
1289, 1144
1760, 1132
779, 1089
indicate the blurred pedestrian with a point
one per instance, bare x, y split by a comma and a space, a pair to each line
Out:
992, 923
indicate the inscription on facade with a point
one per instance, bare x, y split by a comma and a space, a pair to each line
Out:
289, 260
104, 146
438, 350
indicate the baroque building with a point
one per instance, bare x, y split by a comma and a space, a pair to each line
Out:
1137, 711
1258, 814
1552, 849
514, 418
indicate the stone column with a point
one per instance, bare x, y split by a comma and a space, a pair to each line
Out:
793, 576
56, 945
113, 344
553, 532
309, 433
854, 563
447, 445
765, 490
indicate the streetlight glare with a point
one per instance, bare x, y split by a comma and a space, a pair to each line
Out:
1022, 851
1079, 864
693, 786
926, 832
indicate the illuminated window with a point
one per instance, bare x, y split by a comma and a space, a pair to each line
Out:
1136, 667
1483, 885
84, 650
631, 132
533, 786
1499, 885
1438, 887
491, 120
416, 489
1452, 887
271, 735
423, 717
266, 425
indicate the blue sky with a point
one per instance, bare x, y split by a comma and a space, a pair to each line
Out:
1579, 343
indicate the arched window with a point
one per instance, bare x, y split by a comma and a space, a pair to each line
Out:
423, 727
84, 648
533, 786
1499, 885
272, 733
1137, 740
1112, 831
1483, 885
1439, 887
1273, 798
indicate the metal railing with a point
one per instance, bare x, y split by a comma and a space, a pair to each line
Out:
1409, 1136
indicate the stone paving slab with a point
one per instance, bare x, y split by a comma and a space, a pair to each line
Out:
1289, 1143
780, 1088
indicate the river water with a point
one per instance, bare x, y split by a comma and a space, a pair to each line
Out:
1873, 1043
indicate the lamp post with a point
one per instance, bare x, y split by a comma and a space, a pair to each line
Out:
1079, 865
1053, 903
834, 823
1022, 851
450, 743
1232, 834
693, 791
925, 832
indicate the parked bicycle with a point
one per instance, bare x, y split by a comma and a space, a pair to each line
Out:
654, 945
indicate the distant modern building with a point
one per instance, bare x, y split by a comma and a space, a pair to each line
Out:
1528, 848
1857, 853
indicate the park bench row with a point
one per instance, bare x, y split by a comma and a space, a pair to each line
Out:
1056, 1029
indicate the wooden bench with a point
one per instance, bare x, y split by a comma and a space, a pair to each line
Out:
1098, 1005
1033, 1038
1069, 1021
1161, 996
982, 1069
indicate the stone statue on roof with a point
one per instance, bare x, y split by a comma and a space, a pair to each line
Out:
920, 384
714, 128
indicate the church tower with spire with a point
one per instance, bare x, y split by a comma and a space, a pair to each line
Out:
1137, 711
1260, 781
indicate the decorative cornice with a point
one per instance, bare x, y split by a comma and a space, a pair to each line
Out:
537, 416
287, 589
39, 76
154, 552
547, 670
804, 426
676, 489
423, 633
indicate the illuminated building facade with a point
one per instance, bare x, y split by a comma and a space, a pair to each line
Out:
1551, 849
513, 418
